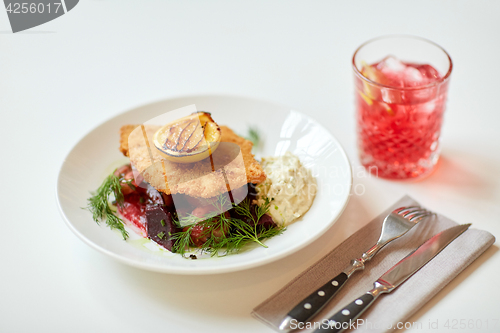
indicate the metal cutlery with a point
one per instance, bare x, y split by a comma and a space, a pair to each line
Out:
391, 279
395, 225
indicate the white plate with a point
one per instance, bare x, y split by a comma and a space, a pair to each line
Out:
96, 155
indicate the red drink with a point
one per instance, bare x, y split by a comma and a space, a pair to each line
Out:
400, 108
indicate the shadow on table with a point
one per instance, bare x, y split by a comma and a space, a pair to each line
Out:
466, 172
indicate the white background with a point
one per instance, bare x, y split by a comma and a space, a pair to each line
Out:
61, 79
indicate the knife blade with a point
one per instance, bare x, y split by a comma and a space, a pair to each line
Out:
393, 278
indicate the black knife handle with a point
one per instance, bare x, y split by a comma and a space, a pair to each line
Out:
311, 305
346, 318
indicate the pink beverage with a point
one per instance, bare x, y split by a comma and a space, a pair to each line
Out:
400, 106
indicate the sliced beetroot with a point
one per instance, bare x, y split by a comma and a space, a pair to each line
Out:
160, 226
134, 206
266, 221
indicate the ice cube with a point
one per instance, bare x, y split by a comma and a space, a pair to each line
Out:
412, 77
392, 70
402, 74
429, 72
391, 64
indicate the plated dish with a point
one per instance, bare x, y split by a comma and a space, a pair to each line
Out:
191, 198
283, 131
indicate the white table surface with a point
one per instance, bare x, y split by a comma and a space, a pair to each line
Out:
63, 78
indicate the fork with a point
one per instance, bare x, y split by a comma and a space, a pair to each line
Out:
395, 225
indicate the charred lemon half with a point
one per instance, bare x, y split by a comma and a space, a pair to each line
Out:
188, 139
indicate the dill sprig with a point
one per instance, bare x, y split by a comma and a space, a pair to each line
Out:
239, 233
254, 136
98, 204
182, 240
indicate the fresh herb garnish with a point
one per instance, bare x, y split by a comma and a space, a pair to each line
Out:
98, 204
129, 183
225, 235
162, 223
254, 136
160, 235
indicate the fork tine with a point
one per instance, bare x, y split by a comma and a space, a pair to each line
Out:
413, 211
402, 209
418, 217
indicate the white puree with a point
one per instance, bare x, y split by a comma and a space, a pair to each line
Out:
289, 186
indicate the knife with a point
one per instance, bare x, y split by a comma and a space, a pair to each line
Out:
395, 225
391, 279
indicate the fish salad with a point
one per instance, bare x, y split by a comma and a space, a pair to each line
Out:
203, 199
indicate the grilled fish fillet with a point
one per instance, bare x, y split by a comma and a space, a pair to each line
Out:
194, 179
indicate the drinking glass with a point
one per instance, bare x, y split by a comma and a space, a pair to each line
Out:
401, 87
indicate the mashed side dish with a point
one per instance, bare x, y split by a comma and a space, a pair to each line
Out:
290, 187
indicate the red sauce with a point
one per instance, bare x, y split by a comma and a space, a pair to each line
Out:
136, 197
134, 211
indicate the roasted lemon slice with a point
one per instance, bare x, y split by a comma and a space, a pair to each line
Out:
188, 139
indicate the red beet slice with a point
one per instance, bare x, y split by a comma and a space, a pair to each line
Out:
160, 226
